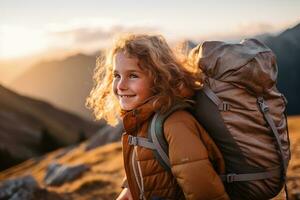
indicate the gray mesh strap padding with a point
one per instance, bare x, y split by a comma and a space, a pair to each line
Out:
156, 133
156, 143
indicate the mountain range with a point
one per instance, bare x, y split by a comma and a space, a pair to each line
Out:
286, 47
65, 83
30, 128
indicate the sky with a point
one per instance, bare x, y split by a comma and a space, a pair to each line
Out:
35, 27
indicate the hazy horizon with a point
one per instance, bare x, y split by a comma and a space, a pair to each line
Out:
45, 28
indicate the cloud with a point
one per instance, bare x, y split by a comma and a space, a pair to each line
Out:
255, 28
89, 35
82, 35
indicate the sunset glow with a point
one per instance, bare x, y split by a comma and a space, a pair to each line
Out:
19, 41
89, 26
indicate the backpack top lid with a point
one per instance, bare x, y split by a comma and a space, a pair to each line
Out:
249, 64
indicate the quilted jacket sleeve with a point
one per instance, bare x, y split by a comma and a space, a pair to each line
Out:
189, 159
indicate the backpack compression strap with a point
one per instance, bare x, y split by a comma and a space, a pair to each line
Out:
265, 110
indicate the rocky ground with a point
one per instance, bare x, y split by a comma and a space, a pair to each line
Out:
77, 173
86, 172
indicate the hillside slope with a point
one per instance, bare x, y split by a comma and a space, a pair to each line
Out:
103, 175
30, 127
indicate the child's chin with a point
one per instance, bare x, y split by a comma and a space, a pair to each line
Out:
127, 107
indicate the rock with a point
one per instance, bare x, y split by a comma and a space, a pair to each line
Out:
22, 188
27, 188
58, 174
107, 134
46, 195
65, 151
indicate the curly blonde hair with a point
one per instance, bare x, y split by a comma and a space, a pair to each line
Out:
171, 73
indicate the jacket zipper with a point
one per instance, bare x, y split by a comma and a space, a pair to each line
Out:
136, 164
138, 174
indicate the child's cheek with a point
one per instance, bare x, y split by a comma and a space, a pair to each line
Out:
114, 88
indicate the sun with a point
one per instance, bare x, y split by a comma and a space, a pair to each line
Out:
20, 41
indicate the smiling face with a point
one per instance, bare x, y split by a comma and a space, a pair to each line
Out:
131, 85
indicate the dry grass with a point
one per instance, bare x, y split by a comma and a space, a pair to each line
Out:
294, 166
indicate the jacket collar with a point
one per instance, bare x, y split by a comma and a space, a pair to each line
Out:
134, 118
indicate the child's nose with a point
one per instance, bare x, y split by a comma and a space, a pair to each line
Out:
122, 84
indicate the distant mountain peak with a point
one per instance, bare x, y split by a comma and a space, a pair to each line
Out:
185, 46
292, 32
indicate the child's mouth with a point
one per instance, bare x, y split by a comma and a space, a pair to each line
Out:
126, 96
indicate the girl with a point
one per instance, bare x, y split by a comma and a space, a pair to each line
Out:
139, 76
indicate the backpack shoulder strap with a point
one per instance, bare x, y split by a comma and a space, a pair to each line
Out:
156, 134
156, 140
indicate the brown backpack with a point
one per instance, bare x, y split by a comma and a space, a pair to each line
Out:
243, 112
250, 124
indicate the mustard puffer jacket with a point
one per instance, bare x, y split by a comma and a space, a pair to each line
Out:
192, 156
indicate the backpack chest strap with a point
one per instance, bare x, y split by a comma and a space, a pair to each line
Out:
140, 141
155, 146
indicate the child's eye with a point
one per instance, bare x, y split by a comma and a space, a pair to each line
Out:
133, 76
116, 76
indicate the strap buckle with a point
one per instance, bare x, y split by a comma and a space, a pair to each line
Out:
263, 106
132, 140
226, 106
230, 178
